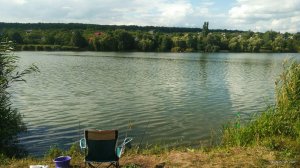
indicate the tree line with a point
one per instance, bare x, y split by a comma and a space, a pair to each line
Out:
52, 36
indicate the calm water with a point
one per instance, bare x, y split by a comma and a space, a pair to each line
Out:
171, 99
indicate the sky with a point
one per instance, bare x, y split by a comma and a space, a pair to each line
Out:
255, 15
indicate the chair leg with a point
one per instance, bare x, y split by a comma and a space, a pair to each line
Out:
90, 165
112, 163
116, 164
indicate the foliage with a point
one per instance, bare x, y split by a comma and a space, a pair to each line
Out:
279, 126
205, 29
146, 39
10, 119
54, 152
78, 40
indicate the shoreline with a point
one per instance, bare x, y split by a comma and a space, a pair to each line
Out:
255, 156
58, 48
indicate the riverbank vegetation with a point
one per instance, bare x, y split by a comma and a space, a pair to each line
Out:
183, 157
11, 123
87, 37
278, 128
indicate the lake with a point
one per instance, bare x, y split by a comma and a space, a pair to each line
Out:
157, 98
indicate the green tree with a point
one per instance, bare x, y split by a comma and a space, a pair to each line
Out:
224, 42
166, 44
11, 123
146, 44
205, 30
78, 40
107, 42
234, 44
200, 42
179, 42
278, 45
212, 43
268, 38
191, 41
16, 37
50, 38
124, 39
254, 43
291, 44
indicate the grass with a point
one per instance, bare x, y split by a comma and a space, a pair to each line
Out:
216, 157
278, 128
41, 47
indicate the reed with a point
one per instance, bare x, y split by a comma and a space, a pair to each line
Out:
278, 127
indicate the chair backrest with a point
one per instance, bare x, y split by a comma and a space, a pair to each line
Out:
101, 145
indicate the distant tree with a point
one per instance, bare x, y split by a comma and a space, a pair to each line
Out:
234, 44
107, 42
166, 44
278, 45
268, 38
146, 44
179, 42
124, 39
205, 30
78, 40
254, 44
212, 42
63, 37
243, 44
191, 41
200, 42
224, 42
50, 38
16, 37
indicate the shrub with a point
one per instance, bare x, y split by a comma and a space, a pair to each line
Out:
282, 120
10, 119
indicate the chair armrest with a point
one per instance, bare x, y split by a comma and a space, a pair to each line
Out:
119, 151
121, 148
127, 140
82, 143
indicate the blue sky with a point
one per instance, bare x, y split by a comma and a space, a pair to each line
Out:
255, 15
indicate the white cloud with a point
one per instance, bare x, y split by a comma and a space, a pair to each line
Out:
257, 15
279, 15
137, 12
19, 2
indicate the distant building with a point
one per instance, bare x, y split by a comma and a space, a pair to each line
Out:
151, 32
98, 33
28, 31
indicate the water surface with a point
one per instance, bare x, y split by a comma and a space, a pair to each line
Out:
166, 98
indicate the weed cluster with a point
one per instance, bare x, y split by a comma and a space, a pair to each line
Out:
279, 126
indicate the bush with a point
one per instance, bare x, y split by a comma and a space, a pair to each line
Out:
177, 49
10, 119
282, 120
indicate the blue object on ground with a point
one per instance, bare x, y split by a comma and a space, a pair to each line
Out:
62, 162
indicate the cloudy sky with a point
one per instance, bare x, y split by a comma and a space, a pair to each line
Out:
255, 15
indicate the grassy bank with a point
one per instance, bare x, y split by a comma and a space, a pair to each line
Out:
184, 157
279, 126
33, 47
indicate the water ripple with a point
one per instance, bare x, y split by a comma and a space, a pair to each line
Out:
168, 98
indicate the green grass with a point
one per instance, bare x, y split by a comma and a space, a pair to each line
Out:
41, 47
279, 126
